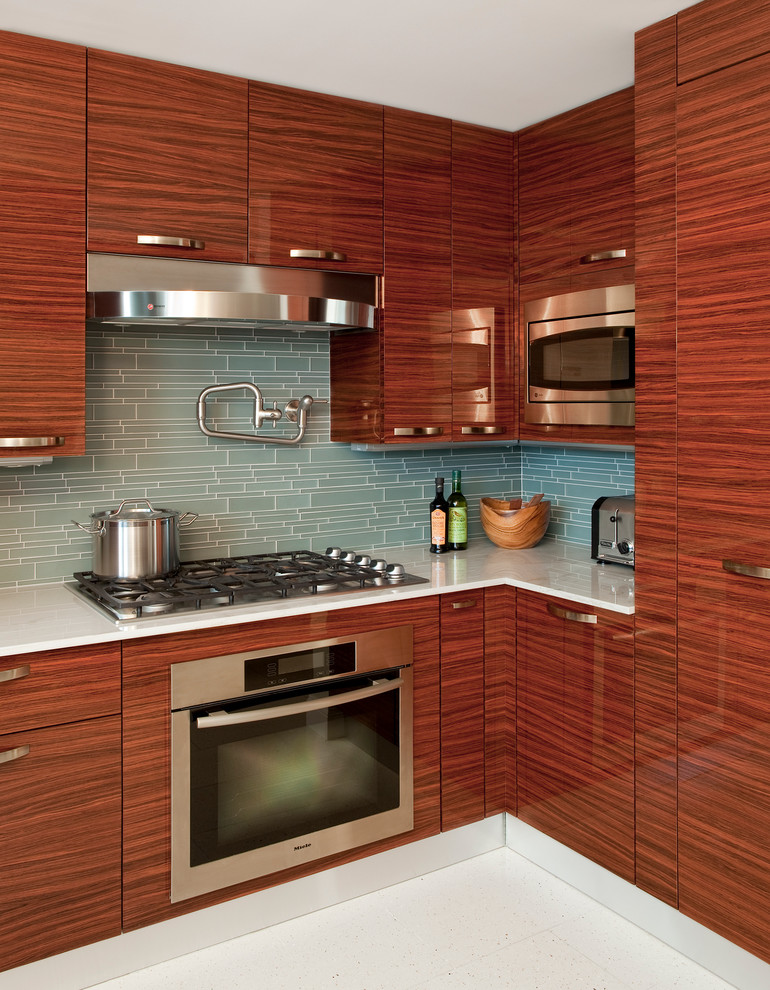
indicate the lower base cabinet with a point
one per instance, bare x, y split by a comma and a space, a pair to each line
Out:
574, 732
462, 709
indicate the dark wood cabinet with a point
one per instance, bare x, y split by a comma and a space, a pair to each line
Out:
574, 732
483, 382
575, 212
60, 791
462, 708
723, 392
42, 246
441, 366
718, 33
576, 196
315, 180
167, 159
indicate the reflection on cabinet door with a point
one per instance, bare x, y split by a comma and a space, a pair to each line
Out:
167, 159
315, 180
575, 721
42, 245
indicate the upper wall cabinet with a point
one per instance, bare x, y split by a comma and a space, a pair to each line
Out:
713, 35
441, 368
42, 243
167, 159
576, 196
315, 180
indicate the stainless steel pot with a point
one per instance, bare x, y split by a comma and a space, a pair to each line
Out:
136, 540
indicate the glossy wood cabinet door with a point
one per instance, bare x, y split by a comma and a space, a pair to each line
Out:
483, 383
315, 180
462, 708
42, 246
718, 33
576, 195
167, 159
575, 725
60, 800
417, 329
724, 501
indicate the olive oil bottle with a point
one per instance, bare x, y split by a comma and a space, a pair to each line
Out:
457, 527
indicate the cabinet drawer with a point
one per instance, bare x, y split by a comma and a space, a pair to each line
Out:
57, 686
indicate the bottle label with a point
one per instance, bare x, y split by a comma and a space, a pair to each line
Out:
437, 528
458, 524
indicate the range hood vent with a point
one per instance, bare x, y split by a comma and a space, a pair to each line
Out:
134, 290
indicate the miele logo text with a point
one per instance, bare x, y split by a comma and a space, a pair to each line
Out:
307, 845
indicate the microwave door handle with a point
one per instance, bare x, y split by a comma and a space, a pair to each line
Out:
219, 719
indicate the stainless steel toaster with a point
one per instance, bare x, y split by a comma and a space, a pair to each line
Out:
612, 530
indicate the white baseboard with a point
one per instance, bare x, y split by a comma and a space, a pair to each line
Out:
131, 951
728, 961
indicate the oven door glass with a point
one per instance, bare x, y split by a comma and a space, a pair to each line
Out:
595, 363
288, 777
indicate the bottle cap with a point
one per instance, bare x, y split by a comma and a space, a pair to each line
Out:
439, 481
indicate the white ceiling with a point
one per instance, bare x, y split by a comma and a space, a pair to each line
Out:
503, 63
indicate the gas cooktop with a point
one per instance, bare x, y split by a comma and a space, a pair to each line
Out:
249, 579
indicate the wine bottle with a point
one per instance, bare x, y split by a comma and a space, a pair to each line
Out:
457, 527
439, 515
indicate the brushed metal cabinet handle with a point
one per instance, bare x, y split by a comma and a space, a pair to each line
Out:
183, 242
418, 431
482, 430
31, 441
589, 259
322, 255
464, 604
15, 673
13, 754
748, 570
563, 613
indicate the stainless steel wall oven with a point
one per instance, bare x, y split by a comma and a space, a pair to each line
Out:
287, 755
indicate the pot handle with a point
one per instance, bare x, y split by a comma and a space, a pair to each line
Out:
132, 501
187, 518
93, 530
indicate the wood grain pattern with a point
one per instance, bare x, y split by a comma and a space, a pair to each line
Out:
574, 739
724, 436
482, 281
717, 33
60, 837
167, 155
62, 686
42, 242
500, 700
356, 409
656, 482
417, 336
576, 192
462, 708
146, 742
315, 178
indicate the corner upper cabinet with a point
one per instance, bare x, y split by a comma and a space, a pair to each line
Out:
167, 159
42, 246
440, 368
576, 196
315, 180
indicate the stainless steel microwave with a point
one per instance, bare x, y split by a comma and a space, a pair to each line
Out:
580, 358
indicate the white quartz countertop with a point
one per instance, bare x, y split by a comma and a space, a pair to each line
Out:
53, 616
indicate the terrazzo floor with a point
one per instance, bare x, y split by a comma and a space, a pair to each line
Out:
493, 921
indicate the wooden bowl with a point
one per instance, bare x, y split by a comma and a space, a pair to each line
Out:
514, 528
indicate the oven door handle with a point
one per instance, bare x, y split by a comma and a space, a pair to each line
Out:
219, 719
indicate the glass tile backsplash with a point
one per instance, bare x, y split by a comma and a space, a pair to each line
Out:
144, 442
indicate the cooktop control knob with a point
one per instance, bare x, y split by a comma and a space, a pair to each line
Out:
395, 573
334, 552
379, 565
363, 560
348, 557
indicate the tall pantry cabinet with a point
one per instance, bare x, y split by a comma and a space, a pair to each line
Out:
720, 117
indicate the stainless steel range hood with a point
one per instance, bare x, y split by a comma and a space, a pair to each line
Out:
125, 290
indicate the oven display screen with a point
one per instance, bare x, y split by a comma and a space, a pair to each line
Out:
302, 665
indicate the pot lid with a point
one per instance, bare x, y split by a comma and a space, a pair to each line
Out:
135, 508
